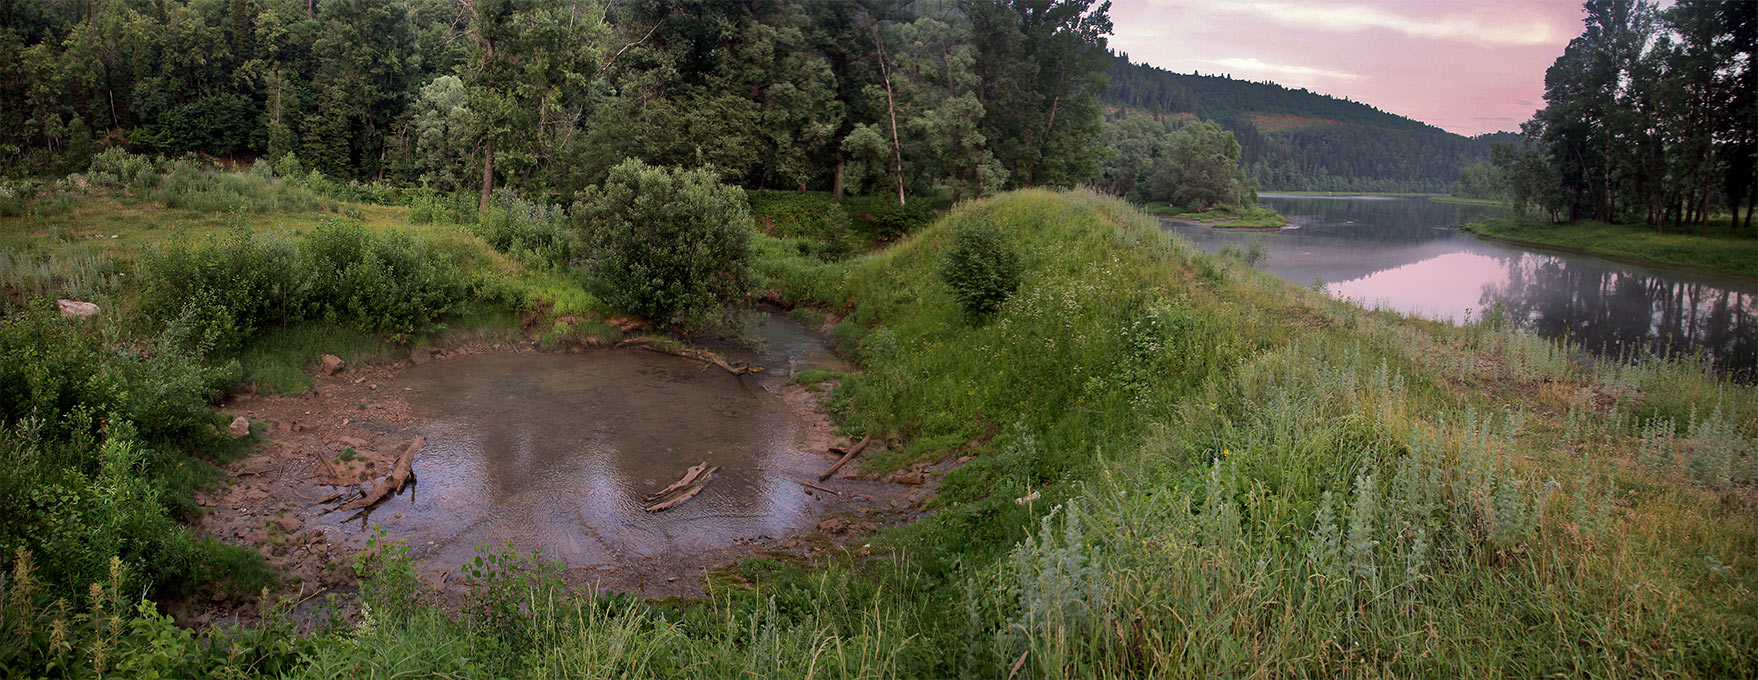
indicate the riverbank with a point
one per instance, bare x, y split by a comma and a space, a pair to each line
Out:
1462, 200
1140, 432
1220, 218
1723, 252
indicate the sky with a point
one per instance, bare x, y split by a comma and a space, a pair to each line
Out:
1468, 66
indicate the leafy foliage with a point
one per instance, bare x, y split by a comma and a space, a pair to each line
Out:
673, 244
981, 268
217, 295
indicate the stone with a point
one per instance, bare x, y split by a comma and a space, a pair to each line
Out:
333, 364
289, 523
240, 427
76, 309
421, 355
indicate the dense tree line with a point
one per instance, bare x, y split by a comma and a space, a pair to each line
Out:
1311, 142
1650, 115
1191, 165
899, 96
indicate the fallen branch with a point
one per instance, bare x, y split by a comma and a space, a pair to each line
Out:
701, 483
664, 346
689, 478
321, 458
402, 473
852, 452
810, 485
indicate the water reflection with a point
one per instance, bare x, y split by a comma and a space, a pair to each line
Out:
1401, 253
557, 452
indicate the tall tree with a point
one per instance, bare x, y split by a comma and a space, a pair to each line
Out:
528, 72
1039, 65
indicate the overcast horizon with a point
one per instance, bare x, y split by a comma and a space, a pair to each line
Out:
1466, 68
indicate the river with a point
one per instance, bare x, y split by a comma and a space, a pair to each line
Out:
1405, 254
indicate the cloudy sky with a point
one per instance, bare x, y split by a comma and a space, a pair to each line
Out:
1470, 66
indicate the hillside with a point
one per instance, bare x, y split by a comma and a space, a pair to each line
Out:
1294, 139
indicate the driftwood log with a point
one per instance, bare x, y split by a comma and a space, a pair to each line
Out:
331, 467
700, 479
810, 485
690, 477
852, 452
402, 473
664, 346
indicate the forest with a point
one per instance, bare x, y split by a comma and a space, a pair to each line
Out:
1651, 117
1295, 140
882, 96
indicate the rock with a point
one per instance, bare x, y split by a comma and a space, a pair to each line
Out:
289, 523
421, 355
333, 364
352, 442
76, 309
240, 427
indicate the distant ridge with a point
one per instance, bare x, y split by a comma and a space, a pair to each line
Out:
1295, 139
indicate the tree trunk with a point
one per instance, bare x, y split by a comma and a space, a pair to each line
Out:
487, 174
836, 183
1751, 201
890, 106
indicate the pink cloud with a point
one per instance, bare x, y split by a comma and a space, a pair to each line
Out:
1467, 67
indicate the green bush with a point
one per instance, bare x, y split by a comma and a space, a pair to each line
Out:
217, 295
392, 285
529, 229
427, 207
94, 448
889, 219
138, 174
981, 268
673, 244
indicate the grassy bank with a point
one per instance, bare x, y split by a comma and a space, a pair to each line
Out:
1180, 468
1394, 194
1462, 200
1220, 218
1722, 251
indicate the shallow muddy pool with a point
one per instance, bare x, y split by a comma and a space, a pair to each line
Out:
557, 452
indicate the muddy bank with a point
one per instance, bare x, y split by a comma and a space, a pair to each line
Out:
555, 452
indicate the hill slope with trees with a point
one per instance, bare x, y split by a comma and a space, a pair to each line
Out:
1293, 139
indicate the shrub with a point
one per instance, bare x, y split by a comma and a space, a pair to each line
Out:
392, 285
674, 244
892, 220
981, 268
138, 174
529, 229
426, 207
216, 296
92, 462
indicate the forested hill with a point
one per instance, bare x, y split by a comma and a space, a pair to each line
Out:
1300, 140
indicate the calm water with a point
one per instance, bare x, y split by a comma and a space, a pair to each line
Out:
1402, 254
557, 452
